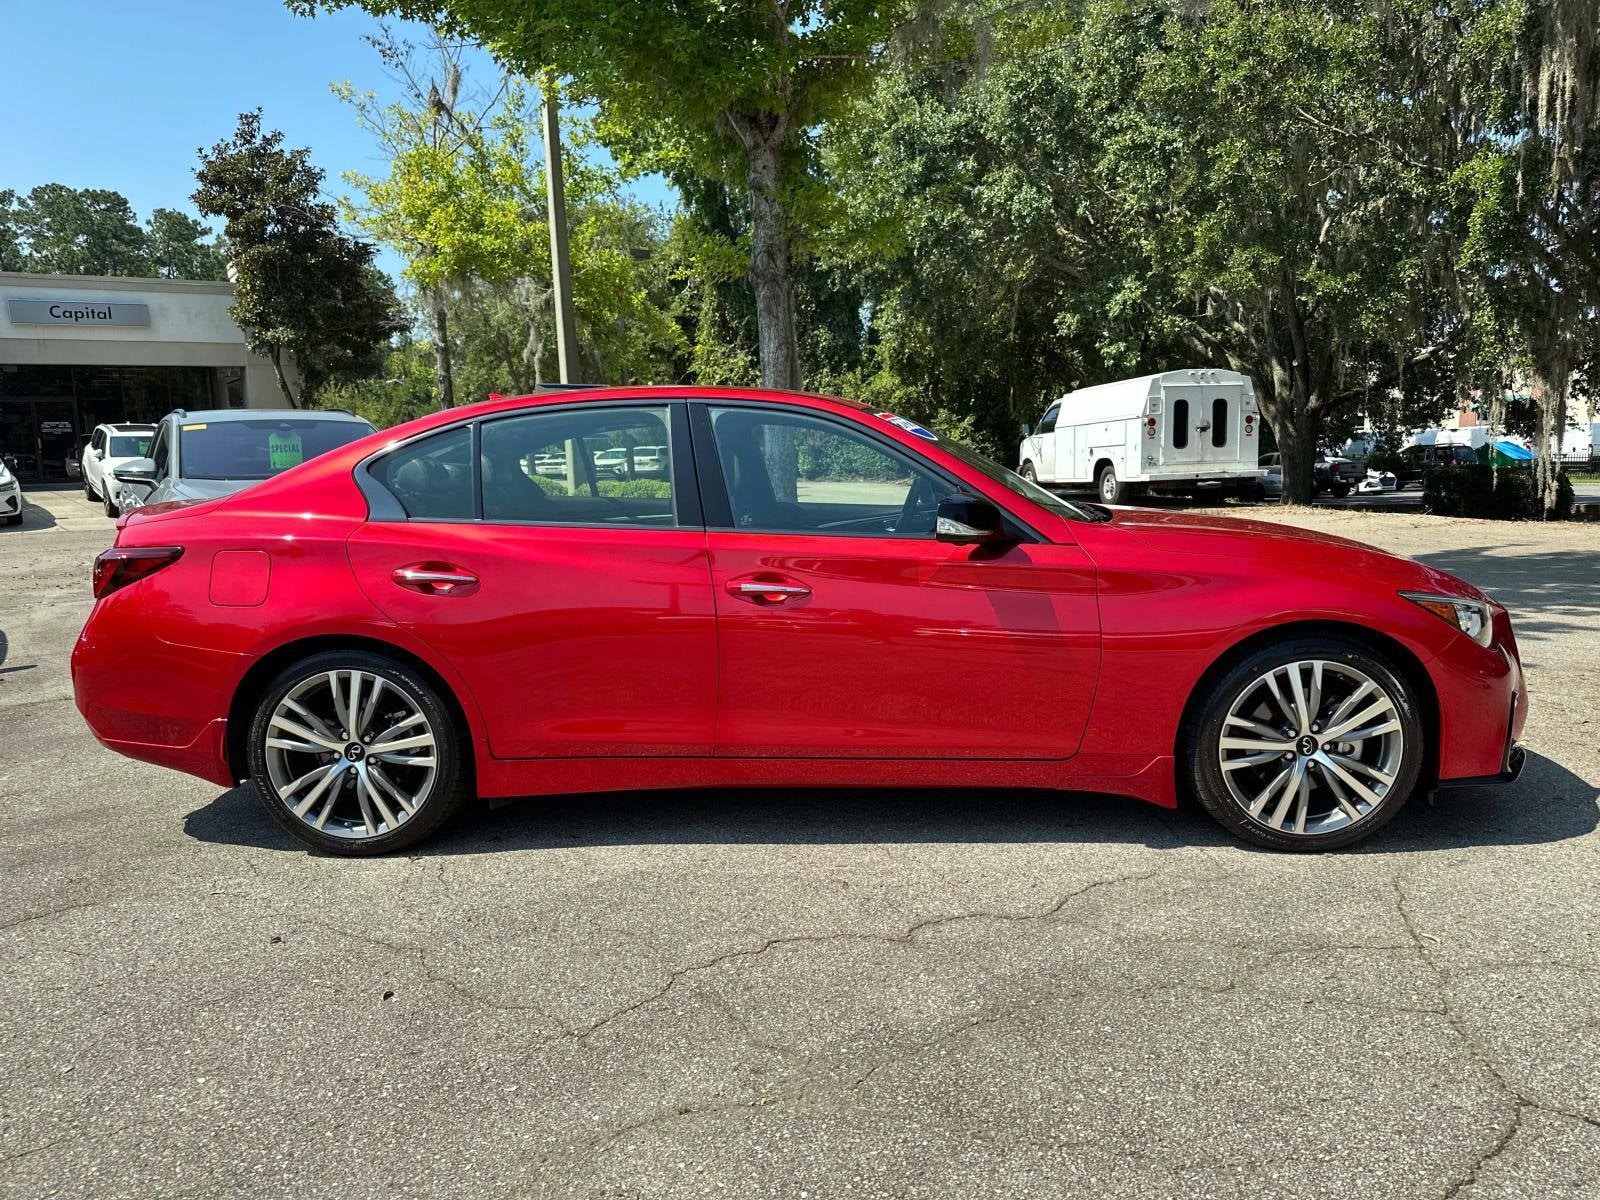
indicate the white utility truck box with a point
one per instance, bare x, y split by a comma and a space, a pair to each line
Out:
1177, 431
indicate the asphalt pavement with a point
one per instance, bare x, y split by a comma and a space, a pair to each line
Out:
800, 993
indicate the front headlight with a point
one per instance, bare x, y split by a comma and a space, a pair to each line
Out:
1472, 617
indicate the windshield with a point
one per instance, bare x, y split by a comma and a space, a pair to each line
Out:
132, 446
1013, 482
260, 449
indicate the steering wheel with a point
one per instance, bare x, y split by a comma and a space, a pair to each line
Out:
921, 508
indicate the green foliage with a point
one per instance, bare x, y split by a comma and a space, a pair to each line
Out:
176, 248
624, 489
400, 392
93, 231
301, 286
1503, 494
464, 202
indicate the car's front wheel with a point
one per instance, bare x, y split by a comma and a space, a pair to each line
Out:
1028, 473
111, 505
1309, 744
355, 753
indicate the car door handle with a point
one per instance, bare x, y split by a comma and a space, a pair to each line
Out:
436, 579
759, 591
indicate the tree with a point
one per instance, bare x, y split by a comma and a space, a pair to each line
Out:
1075, 194
11, 255
175, 247
730, 89
301, 286
80, 231
463, 201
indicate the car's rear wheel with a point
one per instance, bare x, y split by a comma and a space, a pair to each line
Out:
1112, 490
355, 753
1309, 744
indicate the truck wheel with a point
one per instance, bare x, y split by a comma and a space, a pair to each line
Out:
1340, 490
1029, 473
1112, 490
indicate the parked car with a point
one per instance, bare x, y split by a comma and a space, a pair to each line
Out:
10, 491
1377, 482
1179, 431
372, 635
203, 455
110, 447
1417, 461
1339, 476
1270, 479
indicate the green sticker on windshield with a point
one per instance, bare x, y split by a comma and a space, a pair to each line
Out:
283, 451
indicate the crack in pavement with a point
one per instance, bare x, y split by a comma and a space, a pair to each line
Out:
1520, 1102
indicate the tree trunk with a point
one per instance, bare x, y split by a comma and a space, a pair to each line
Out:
283, 379
773, 284
443, 373
1297, 448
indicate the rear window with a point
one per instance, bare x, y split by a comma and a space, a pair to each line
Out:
260, 448
131, 445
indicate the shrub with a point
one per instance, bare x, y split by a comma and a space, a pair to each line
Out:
1508, 494
649, 489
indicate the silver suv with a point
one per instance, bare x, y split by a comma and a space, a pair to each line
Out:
203, 455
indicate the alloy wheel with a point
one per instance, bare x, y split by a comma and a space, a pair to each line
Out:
351, 753
1311, 747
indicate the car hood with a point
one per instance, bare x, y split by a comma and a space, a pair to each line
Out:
1271, 542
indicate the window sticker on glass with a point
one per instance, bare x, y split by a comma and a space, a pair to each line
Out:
192, 428
908, 426
283, 451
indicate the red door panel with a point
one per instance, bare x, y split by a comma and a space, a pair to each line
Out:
574, 641
899, 647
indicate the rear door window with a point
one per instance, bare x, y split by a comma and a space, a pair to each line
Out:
431, 477
602, 465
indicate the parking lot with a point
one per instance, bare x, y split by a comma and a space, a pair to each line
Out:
907, 994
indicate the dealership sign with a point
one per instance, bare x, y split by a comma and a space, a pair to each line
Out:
77, 312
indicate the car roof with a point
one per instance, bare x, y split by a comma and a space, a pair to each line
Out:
217, 416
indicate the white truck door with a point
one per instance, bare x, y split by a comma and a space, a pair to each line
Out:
1045, 444
1187, 425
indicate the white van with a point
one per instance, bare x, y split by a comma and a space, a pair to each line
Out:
1177, 431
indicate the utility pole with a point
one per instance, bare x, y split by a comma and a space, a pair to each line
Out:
560, 259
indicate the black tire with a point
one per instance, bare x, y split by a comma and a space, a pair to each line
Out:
1340, 490
88, 490
1109, 488
1028, 473
1201, 743
14, 519
451, 784
111, 509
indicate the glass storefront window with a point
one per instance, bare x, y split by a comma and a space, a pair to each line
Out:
25, 379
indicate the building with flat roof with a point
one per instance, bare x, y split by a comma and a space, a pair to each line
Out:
77, 351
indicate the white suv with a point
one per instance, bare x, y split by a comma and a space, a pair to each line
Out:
109, 447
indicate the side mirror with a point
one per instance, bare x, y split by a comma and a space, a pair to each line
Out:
100, 453
969, 521
137, 470
10, 461
1027, 429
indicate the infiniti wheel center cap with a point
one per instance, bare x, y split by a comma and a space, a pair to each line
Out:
1308, 745
355, 752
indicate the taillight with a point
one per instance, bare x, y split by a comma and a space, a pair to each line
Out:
121, 565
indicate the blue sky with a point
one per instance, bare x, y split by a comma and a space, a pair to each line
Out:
121, 94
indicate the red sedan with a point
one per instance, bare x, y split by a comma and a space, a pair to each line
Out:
666, 587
